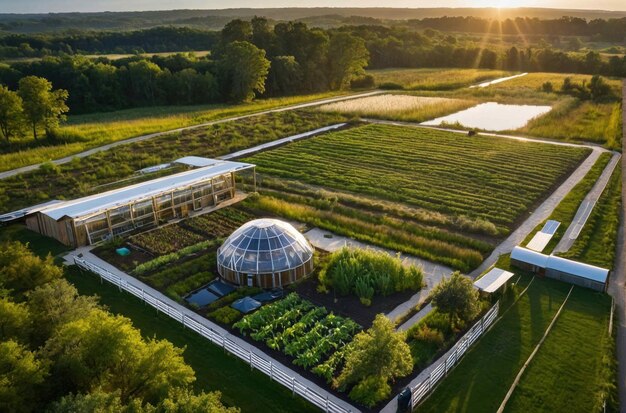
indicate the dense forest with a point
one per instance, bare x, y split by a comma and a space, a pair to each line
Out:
257, 58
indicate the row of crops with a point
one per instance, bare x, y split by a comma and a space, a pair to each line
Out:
313, 337
492, 178
441, 196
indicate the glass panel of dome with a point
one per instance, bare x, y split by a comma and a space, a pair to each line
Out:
265, 262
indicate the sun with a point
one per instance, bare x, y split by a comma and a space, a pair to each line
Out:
500, 4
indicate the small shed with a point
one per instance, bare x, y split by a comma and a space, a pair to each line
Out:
493, 280
246, 305
529, 260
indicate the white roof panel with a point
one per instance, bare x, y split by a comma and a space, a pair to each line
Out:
578, 268
550, 227
543, 237
529, 256
106, 200
493, 280
197, 161
10, 216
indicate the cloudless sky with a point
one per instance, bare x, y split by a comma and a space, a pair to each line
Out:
45, 6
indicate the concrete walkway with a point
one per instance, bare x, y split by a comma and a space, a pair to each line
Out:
92, 151
279, 142
586, 207
86, 254
433, 273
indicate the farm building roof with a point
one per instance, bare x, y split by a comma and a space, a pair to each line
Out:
543, 237
493, 280
197, 161
579, 269
27, 211
529, 256
264, 246
106, 200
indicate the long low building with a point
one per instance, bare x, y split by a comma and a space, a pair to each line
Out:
560, 268
100, 217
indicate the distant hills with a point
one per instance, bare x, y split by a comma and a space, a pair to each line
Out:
215, 19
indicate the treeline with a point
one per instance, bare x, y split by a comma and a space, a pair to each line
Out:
251, 58
158, 39
611, 30
63, 352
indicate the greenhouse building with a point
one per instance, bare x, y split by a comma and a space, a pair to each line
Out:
100, 217
266, 253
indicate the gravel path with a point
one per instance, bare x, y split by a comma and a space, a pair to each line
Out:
92, 151
572, 232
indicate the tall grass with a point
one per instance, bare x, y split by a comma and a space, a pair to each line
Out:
399, 107
89, 131
433, 79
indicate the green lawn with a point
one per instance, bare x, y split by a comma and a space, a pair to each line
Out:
252, 391
566, 368
433, 79
89, 131
40, 245
568, 371
567, 208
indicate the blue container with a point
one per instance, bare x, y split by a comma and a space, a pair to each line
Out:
122, 251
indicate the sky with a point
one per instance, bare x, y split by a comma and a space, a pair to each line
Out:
47, 6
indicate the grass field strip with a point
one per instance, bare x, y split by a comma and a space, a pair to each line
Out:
499, 80
514, 301
532, 355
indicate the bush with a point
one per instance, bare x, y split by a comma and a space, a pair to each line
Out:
370, 391
364, 82
367, 273
390, 86
428, 335
225, 315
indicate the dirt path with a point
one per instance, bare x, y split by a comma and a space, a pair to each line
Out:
586, 207
617, 280
92, 151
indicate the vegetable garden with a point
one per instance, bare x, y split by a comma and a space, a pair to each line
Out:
313, 337
447, 185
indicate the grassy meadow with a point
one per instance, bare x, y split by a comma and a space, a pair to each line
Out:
83, 132
433, 79
451, 191
567, 208
399, 107
116, 166
567, 373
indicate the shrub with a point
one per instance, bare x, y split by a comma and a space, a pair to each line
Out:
390, 86
429, 335
363, 82
225, 315
370, 391
367, 273
457, 298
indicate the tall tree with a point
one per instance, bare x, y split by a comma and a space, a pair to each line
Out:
15, 321
21, 270
374, 358
243, 69
107, 352
11, 113
456, 297
236, 30
347, 59
43, 107
21, 377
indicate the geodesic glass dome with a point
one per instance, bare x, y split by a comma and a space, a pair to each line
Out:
265, 253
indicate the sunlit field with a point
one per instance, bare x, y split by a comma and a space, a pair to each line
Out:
433, 79
399, 107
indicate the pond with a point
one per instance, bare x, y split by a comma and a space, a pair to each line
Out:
492, 116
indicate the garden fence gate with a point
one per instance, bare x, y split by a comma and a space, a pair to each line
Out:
421, 390
254, 360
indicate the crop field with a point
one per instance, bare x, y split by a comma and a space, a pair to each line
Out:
451, 184
399, 107
303, 331
569, 372
433, 79
88, 131
82, 176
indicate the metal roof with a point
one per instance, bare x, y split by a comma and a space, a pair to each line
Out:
197, 161
144, 190
578, 269
543, 237
10, 216
529, 256
493, 280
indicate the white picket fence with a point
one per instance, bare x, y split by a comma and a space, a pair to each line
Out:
254, 360
421, 390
